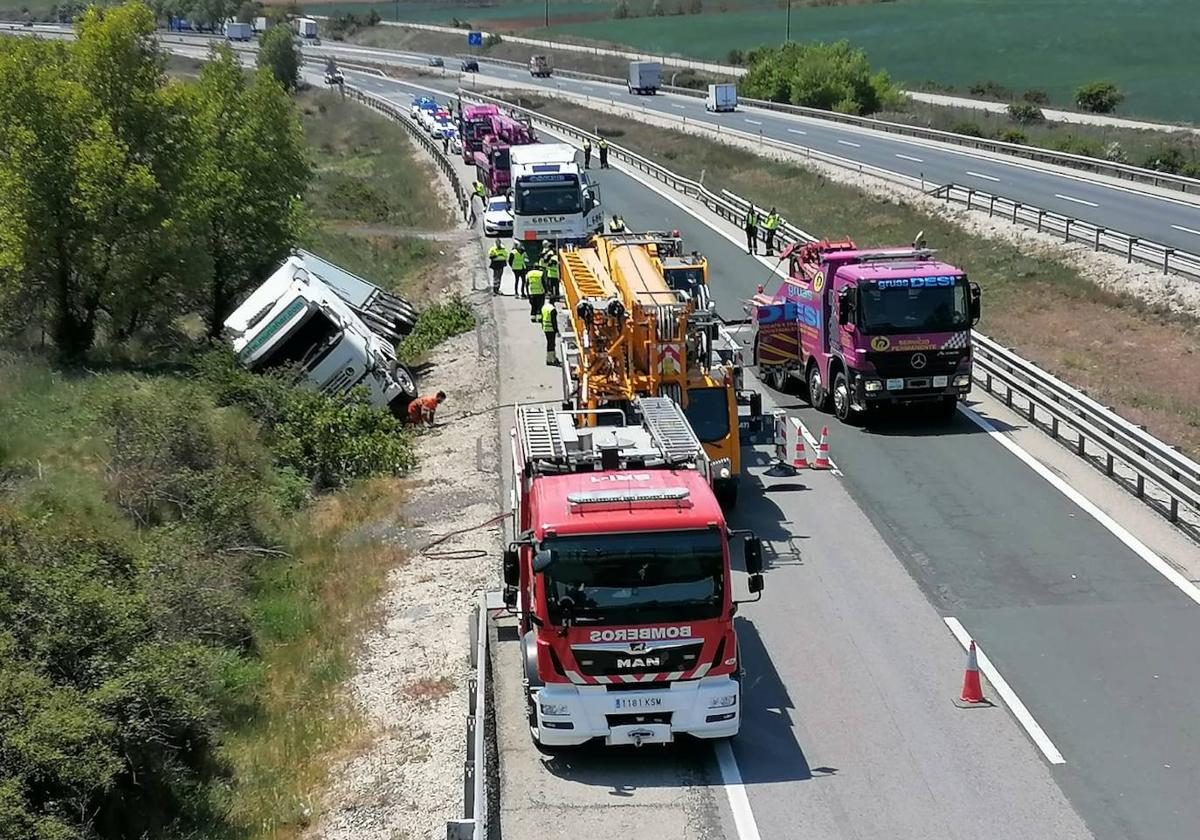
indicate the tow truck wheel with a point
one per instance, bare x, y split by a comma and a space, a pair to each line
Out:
817, 394
778, 377
841, 399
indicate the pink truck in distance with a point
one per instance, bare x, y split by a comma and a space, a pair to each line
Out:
867, 327
473, 123
492, 166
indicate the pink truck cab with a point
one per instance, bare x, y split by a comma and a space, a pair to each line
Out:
492, 163
868, 327
473, 124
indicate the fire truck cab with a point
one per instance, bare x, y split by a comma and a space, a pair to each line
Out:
619, 572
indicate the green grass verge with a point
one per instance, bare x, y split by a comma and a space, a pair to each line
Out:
1032, 300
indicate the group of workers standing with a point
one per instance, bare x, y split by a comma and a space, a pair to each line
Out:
769, 223
536, 280
602, 148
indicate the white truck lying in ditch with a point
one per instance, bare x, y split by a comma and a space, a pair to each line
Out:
337, 328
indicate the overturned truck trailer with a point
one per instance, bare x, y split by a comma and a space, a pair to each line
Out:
338, 329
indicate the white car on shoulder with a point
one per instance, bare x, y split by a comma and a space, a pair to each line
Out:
497, 217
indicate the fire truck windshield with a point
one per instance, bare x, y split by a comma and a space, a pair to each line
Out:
636, 578
914, 305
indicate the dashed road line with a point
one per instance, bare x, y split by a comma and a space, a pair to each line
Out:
848, 143
909, 157
981, 175
677, 105
1010, 698
1076, 200
796, 131
753, 122
1186, 229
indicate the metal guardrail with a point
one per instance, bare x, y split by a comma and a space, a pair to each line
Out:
401, 115
1099, 166
1075, 230
1154, 471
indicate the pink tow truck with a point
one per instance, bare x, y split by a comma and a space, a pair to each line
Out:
492, 164
867, 327
473, 123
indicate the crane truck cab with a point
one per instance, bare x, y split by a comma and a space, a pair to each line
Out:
637, 321
619, 572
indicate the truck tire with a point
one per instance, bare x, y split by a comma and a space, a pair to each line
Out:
841, 400
778, 378
531, 681
947, 408
818, 397
404, 376
726, 493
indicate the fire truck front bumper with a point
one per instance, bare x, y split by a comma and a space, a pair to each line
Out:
569, 715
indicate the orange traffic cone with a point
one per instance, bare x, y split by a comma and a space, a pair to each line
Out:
972, 691
800, 460
822, 460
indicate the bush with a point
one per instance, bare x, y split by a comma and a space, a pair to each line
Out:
1074, 144
1025, 113
990, 89
735, 57
1098, 97
835, 77
621, 10
434, 325
695, 7
1115, 153
1036, 96
1014, 135
492, 39
968, 128
1165, 158
656, 9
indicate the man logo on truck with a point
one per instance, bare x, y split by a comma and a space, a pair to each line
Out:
643, 662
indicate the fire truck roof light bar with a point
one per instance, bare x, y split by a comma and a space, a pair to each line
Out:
605, 497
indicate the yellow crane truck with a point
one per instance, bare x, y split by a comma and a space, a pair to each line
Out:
636, 321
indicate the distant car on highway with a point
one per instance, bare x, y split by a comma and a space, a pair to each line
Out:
436, 61
470, 65
455, 141
419, 103
440, 122
497, 218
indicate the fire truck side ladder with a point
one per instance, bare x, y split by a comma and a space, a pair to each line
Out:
540, 434
668, 426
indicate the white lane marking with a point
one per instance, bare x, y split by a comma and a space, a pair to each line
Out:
677, 105
848, 143
752, 122
981, 175
1076, 200
1186, 229
1089, 507
796, 131
739, 803
1006, 693
909, 157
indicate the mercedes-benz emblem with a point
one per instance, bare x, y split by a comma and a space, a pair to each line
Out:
918, 361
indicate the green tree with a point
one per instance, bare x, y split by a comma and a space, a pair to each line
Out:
277, 52
1025, 113
248, 176
248, 10
1098, 97
88, 165
835, 77
656, 9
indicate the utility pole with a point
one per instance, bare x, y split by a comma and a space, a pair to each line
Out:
787, 36
547, 14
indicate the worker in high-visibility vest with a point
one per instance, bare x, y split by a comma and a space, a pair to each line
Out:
751, 230
550, 270
519, 263
617, 225
537, 292
550, 330
603, 153
769, 225
587, 153
422, 409
497, 259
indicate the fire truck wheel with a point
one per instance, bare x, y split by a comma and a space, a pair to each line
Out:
841, 399
726, 493
817, 395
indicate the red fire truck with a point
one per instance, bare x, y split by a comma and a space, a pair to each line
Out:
619, 572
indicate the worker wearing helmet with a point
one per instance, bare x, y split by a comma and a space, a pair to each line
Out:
537, 291
617, 225
519, 264
550, 270
770, 224
550, 330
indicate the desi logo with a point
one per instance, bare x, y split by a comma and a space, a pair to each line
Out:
778, 313
880, 343
640, 634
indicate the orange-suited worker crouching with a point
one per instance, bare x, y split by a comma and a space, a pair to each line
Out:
422, 409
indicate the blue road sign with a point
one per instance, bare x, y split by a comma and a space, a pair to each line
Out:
474, 39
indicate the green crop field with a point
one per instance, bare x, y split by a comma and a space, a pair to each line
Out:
1055, 45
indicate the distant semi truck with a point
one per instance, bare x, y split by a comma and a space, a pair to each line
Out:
644, 76
306, 27
539, 66
238, 31
260, 24
721, 98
